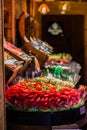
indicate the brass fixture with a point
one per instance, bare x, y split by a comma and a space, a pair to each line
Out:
64, 6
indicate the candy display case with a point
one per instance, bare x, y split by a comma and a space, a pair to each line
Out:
61, 67
54, 100
41, 45
37, 47
61, 73
12, 67
59, 58
30, 99
11, 62
17, 52
51, 97
14, 57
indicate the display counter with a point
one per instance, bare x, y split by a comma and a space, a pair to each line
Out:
32, 103
46, 121
42, 101
46, 118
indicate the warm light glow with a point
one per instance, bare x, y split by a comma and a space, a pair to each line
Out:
43, 9
64, 7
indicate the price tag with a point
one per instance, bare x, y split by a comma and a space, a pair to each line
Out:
82, 110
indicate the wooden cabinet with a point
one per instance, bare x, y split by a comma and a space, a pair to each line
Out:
9, 21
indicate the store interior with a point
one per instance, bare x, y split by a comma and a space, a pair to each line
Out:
45, 53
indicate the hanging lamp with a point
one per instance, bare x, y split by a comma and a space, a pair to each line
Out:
64, 6
43, 8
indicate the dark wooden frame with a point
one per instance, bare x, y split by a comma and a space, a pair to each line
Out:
2, 101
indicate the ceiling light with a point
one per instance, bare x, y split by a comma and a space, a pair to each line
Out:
64, 6
43, 8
